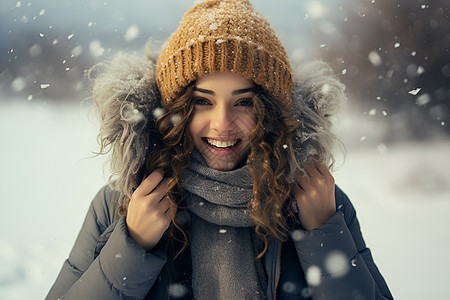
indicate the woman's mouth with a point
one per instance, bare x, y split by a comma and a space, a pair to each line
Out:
222, 144
221, 147
221, 153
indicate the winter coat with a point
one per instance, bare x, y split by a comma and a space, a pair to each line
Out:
105, 263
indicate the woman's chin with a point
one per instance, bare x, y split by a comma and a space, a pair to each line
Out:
221, 165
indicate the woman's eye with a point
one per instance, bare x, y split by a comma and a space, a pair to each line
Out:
201, 101
245, 102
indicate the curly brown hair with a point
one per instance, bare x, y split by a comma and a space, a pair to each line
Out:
268, 162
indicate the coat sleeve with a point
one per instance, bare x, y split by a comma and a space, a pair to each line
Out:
122, 269
336, 261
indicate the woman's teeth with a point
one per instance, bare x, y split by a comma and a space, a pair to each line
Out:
222, 144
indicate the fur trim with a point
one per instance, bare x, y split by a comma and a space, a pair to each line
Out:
317, 97
127, 99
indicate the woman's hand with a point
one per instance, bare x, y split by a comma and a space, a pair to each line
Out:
148, 214
315, 196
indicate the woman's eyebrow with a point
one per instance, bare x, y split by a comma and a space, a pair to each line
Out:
234, 93
196, 89
242, 91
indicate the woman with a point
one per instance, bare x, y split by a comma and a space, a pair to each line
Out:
227, 195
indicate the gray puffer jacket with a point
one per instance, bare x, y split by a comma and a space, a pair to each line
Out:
105, 263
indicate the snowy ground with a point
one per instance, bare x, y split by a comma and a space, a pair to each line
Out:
401, 193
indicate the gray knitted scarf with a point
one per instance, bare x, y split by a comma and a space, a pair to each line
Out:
223, 245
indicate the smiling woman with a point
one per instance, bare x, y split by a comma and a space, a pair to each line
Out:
226, 192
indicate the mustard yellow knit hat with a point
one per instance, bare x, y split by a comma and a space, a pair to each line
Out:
224, 36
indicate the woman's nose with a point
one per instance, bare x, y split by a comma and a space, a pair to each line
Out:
222, 120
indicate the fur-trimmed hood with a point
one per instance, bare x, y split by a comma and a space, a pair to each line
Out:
128, 102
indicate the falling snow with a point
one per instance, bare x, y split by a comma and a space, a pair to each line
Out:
76, 51
313, 276
18, 84
175, 119
297, 235
288, 287
336, 264
131, 114
414, 91
375, 58
158, 112
423, 99
132, 33
96, 49
315, 9
382, 148
326, 88
178, 291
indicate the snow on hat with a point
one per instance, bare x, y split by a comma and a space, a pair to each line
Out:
224, 36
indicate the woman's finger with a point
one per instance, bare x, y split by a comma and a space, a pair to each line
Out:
312, 170
161, 190
303, 182
150, 183
164, 204
323, 170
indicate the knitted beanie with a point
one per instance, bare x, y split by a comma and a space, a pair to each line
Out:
224, 36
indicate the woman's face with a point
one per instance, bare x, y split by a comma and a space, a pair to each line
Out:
223, 119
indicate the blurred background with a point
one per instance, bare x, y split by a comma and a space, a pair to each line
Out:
393, 56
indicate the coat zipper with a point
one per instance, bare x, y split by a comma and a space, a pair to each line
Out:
279, 274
